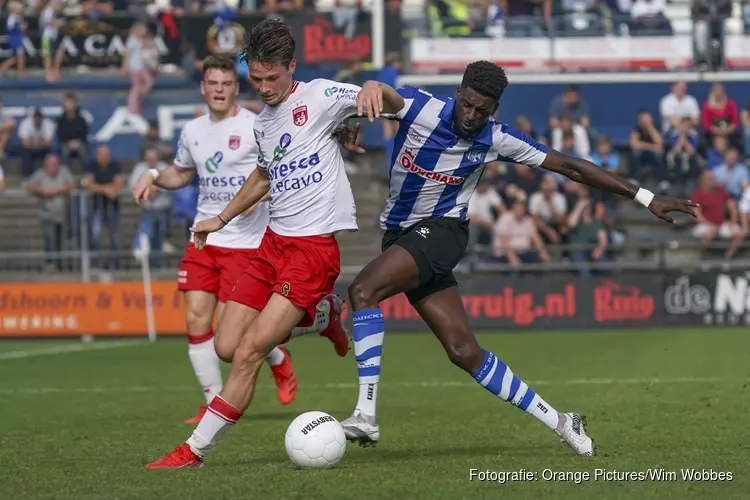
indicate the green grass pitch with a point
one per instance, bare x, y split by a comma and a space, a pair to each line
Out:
79, 420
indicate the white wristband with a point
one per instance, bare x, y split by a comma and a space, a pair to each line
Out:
154, 173
644, 197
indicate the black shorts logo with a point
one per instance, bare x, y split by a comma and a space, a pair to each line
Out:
285, 289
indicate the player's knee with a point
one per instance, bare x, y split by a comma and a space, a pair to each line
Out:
224, 349
362, 295
198, 322
465, 356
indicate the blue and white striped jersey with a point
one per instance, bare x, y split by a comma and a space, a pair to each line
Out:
433, 172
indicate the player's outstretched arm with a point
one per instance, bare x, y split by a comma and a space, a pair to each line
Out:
171, 178
376, 98
585, 172
253, 191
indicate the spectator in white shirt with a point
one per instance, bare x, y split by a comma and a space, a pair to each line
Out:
677, 105
649, 16
485, 206
36, 133
549, 208
581, 143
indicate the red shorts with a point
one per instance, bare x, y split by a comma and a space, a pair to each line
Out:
213, 269
301, 268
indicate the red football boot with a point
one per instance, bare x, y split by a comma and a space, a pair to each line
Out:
335, 331
201, 411
286, 380
182, 457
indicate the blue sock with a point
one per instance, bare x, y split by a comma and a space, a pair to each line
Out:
497, 377
368, 332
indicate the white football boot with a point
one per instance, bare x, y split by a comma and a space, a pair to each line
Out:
572, 431
361, 429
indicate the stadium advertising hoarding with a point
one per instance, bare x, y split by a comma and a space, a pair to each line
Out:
574, 53
492, 303
101, 43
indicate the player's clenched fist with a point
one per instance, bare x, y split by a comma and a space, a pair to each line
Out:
202, 229
144, 189
370, 100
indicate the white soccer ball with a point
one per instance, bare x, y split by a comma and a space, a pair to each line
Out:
315, 440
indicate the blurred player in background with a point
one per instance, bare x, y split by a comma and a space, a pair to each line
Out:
440, 151
311, 200
221, 147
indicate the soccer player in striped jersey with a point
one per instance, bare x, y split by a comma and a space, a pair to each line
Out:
440, 151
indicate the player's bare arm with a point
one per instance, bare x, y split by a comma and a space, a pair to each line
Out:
171, 178
252, 192
585, 172
376, 98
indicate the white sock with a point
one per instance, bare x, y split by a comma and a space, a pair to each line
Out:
276, 357
368, 394
544, 412
206, 364
322, 318
217, 420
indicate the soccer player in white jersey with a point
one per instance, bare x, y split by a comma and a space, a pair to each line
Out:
311, 200
220, 147
440, 152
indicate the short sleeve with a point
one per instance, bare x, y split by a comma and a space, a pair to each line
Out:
409, 94
512, 145
262, 159
744, 205
24, 131
534, 203
49, 129
182, 158
561, 203
341, 100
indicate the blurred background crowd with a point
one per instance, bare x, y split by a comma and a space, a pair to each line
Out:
93, 94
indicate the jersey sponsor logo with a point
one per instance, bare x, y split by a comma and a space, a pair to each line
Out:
211, 187
341, 93
299, 115
407, 163
234, 142
280, 151
278, 175
212, 164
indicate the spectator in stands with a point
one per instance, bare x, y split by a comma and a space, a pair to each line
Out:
646, 147
714, 204
36, 133
7, 126
732, 175
569, 104
15, 27
72, 131
484, 208
676, 106
744, 117
136, 63
649, 18
152, 140
526, 17
549, 209
715, 154
604, 156
721, 116
191, 65
52, 185
103, 180
524, 125
276, 6
577, 132
51, 52
515, 238
587, 231
345, 14
156, 211
520, 180
682, 151
448, 18
582, 18
2, 179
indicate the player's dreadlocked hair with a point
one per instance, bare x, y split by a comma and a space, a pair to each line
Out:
486, 78
270, 43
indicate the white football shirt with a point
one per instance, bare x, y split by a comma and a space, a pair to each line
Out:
310, 192
224, 154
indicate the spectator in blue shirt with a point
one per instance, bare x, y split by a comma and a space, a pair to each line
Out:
731, 174
682, 151
604, 156
715, 154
